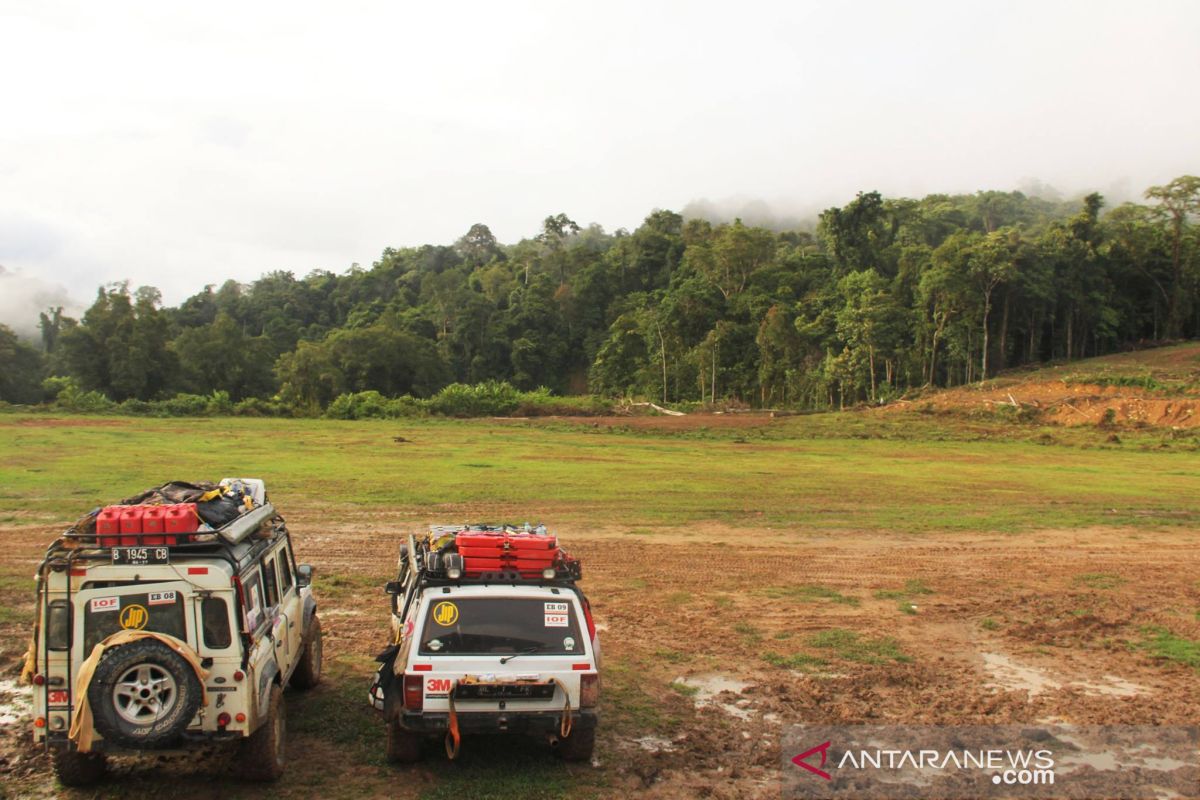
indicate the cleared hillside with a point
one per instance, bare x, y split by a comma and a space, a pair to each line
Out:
1158, 387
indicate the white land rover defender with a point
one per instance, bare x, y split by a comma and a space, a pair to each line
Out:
153, 641
490, 634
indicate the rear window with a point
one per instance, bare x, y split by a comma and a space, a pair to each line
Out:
214, 613
161, 612
488, 625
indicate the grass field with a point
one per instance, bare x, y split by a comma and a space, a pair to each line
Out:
807, 474
913, 567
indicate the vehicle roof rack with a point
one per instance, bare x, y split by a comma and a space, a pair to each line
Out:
424, 564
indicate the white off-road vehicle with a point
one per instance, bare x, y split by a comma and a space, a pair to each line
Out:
490, 634
155, 641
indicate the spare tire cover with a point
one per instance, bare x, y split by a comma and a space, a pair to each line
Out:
143, 695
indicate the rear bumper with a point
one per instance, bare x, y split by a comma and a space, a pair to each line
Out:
187, 740
547, 722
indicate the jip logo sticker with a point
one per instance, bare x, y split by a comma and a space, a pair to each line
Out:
134, 617
445, 614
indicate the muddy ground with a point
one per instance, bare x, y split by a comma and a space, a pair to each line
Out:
716, 638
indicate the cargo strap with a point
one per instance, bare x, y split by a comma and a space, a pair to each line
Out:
564, 727
453, 738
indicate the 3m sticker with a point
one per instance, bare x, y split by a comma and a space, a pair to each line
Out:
445, 614
437, 686
160, 598
106, 604
134, 617
58, 697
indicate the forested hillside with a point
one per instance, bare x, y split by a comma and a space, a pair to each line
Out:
883, 295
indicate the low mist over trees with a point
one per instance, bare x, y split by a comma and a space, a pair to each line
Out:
887, 294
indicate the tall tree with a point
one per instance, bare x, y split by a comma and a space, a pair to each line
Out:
1178, 202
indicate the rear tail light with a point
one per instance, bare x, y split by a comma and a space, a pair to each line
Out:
39, 680
414, 695
589, 690
223, 719
591, 625
40, 722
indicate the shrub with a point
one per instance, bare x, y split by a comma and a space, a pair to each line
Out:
257, 407
184, 405
135, 407
70, 397
358, 405
487, 399
220, 404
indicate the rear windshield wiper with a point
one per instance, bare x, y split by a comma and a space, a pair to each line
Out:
526, 651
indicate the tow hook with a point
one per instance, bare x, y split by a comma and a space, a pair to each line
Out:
502, 723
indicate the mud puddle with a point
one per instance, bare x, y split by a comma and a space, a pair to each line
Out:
711, 691
1011, 675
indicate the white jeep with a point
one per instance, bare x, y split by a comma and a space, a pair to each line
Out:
487, 651
163, 646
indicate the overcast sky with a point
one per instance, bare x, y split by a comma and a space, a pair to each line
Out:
182, 144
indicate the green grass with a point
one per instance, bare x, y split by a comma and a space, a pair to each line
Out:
807, 593
1099, 580
678, 598
685, 689
895, 473
989, 624
1160, 643
338, 713
797, 661
748, 632
913, 587
849, 645
672, 656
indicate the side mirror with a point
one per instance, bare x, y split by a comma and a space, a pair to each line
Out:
393, 587
304, 573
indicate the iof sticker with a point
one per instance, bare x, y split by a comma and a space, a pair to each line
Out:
161, 598
445, 614
106, 604
134, 617
556, 615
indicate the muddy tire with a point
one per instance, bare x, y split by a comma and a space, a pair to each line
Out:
263, 755
308, 671
79, 769
403, 747
578, 746
143, 695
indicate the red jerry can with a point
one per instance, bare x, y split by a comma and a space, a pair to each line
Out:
108, 525
152, 523
181, 518
131, 525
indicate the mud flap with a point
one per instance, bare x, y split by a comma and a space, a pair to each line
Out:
381, 696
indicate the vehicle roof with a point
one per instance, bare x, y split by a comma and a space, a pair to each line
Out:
501, 590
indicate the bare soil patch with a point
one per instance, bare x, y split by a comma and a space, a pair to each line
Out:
714, 643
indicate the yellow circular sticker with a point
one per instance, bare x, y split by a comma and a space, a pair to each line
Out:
445, 614
134, 617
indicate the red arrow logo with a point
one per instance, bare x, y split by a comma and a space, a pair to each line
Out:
823, 750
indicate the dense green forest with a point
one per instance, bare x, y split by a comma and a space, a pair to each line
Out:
885, 295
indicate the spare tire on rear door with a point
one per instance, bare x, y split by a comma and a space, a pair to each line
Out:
143, 695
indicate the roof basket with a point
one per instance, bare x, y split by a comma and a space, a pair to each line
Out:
488, 554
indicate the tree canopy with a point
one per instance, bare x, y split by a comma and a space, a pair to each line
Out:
884, 294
